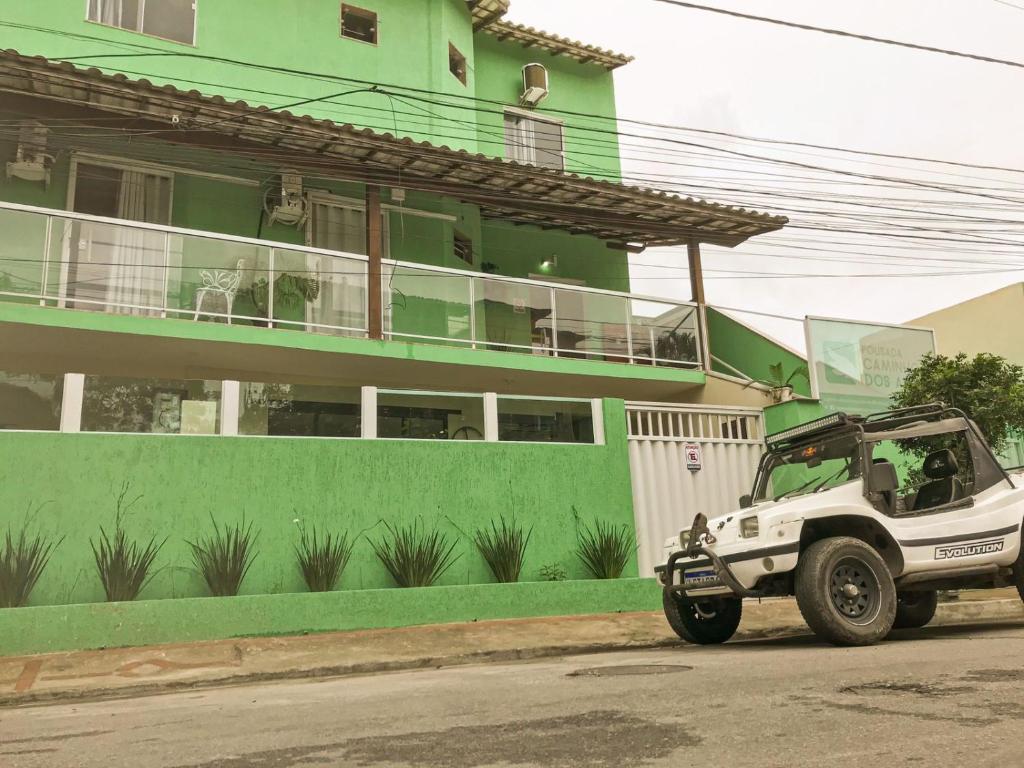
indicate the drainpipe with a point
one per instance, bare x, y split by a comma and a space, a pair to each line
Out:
697, 293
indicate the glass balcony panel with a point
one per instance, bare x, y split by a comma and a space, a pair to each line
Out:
103, 267
591, 325
427, 416
218, 280
21, 256
664, 333
151, 406
513, 317
30, 401
545, 421
319, 293
425, 305
299, 410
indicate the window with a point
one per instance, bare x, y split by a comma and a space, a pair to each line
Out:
144, 406
299, 410
456, 63
545, 421
169, 19
463, 248
358, 24
534, 141
421, 416
30, 401
810, 468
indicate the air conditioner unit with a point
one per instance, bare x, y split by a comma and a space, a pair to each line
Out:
535, 85
32, 162
287, 205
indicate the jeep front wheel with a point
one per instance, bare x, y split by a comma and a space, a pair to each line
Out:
845, 592
915, 609
707, 621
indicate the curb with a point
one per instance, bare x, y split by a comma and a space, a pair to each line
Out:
967, 612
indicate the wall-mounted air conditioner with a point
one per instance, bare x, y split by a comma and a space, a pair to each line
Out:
535, 85
32, 162
286, 204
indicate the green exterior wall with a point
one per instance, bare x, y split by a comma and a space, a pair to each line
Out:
791, 414
281, 485
748, 351
411, 57
592, 145
49, 629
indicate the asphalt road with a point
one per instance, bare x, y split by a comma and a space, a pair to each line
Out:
934, 697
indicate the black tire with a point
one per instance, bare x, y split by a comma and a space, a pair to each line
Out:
915, 609
709, 621
1018, 574
845, 592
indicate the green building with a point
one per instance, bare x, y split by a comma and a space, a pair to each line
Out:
391, 235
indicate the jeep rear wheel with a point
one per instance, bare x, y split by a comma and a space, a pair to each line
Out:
845, 592
915, 609
707, 621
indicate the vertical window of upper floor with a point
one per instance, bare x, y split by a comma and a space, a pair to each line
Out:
358, 24
533, 140
169, 19
457, 63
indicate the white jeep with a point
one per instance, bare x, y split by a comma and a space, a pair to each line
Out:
863, 519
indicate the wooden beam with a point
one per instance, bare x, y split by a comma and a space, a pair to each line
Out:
375, 252
696, 271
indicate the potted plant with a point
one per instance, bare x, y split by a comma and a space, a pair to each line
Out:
782, 385
290, 292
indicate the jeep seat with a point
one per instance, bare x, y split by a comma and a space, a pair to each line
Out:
940, 467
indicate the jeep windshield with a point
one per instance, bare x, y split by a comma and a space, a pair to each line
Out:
809, 468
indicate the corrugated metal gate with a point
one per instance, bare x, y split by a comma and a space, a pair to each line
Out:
667, 495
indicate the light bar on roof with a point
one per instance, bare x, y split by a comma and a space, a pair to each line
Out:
817, 425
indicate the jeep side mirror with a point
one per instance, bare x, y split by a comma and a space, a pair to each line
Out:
884, 477
746, 501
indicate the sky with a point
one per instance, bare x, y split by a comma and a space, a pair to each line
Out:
707, 71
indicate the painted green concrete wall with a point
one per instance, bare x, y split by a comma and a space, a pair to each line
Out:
49, 629
592, 145
750, 352
281, 485
791, 414
412, 54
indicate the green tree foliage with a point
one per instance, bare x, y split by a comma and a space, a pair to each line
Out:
987, 388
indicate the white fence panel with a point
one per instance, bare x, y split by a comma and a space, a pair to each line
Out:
667, 495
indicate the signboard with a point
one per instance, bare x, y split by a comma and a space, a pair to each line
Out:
694, 456
857, 366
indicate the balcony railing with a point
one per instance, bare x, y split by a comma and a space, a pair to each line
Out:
75, 261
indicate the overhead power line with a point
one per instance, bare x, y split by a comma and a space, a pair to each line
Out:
844, 33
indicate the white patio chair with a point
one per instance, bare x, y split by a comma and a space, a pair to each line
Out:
220, 282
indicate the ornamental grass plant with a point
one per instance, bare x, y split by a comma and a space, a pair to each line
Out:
322, 560
605, 549
224, 557
415, 557
503, 547
23, 558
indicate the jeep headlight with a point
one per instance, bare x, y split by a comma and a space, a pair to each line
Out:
749, 527
684, 539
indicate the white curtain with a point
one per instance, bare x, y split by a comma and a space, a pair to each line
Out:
136, 277
342, 300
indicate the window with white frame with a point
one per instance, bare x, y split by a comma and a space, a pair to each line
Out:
169, 19
534, 141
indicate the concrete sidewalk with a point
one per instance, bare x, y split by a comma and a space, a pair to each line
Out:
125, 672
